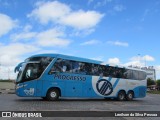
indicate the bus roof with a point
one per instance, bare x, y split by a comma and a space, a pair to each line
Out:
68, 58
82, 60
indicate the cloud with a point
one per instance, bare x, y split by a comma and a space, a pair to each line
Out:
90, 1
115, 61
81, 19
90, 42
134, 63
50, 11
101, 3
7, 23
10, 54
148, 58
51, 37
118, 43
60, 13
27, 28
119, 8
142, 58
24, 36
146, 12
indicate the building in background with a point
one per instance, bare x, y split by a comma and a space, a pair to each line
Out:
151, 72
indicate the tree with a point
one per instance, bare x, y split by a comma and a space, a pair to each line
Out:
150, 82
158, 82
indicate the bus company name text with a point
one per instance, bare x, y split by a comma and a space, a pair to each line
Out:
69, 77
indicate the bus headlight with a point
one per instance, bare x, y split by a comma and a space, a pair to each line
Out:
18, 86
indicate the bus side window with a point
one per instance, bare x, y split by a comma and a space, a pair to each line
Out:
128, 74
67, 65
118, 73
61, 66
57, 67
75, 66
106, 71
111, 71
87, 68
95, 69
135, 75
102, 70
141, 75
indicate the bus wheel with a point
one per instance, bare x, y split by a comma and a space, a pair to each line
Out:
130, 96
52, 95
121, 95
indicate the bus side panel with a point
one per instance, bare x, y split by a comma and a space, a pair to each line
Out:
107, 86
121, 85
140, 91
138, 86
88, 90
47, 84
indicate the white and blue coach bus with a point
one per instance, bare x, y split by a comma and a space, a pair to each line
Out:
51, 76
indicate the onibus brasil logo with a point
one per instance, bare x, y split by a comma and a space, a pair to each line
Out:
104, 87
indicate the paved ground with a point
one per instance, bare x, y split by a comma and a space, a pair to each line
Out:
7, 85
10, 102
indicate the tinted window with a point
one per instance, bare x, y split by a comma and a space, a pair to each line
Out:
61, 66
119, 72
142, 75
46, 59
102, 70
135, 75
127, 74
95, 69
71, 66
32, 71
111, 71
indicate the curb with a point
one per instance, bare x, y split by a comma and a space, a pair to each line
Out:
7, 91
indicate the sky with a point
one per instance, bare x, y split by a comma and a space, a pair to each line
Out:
123, 32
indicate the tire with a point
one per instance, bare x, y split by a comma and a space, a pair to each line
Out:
130, 96
121, 96
53, 95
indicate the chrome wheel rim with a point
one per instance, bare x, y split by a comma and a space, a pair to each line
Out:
53, 94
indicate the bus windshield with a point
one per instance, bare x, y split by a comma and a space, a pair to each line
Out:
20, 72
31, 69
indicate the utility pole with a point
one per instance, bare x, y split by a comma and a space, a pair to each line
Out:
139, 59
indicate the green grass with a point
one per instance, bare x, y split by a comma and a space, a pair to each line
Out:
154, 92
6, 80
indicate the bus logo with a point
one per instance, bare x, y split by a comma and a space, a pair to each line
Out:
104, 87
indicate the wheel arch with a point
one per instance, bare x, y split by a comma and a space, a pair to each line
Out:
131, 91
120, 91
57, 88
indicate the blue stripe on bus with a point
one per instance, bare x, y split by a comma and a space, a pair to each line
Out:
115, 84
100, 77
110, 78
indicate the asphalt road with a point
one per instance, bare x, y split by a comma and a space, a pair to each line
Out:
11, 102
